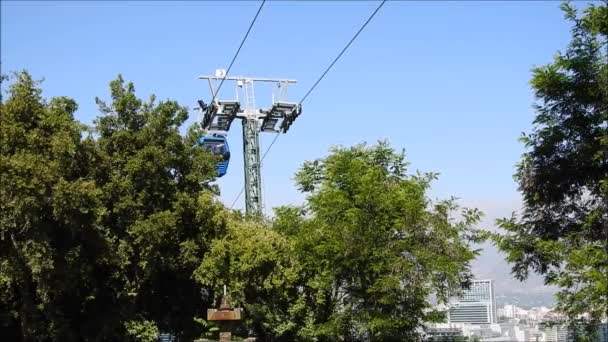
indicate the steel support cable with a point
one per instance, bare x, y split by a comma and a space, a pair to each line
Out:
343, 50
317, 82
238, 50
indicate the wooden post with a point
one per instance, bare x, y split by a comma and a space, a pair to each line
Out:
226, 316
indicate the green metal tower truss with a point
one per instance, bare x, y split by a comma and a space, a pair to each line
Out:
219, 115
252, 167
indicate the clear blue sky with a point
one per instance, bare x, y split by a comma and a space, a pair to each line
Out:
447, 81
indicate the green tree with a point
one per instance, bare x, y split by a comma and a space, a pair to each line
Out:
374, 247
562, 232
261, 271
359, 261
159, 208
49, 240
100, 235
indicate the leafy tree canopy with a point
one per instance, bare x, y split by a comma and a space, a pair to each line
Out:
359, 261
101, 233
49, 240
562, 232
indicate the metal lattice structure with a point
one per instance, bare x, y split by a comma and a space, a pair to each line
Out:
219, 115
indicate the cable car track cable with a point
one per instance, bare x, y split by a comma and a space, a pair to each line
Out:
238, 50
343, 50
315, 84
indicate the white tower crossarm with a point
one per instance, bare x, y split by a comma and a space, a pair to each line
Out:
278, 118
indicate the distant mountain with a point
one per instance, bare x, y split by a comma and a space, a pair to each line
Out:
532, 292
526, 300
491, 264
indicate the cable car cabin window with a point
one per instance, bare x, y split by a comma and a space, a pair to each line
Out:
216, 147
219, 147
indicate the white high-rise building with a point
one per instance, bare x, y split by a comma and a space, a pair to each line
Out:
474, 305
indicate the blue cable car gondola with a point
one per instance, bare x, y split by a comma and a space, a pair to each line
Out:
218, 145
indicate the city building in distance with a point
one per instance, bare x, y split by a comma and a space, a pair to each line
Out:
476, 304
472, 315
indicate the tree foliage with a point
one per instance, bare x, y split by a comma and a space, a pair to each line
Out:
158, 206
114, 232
562, 232
100, 234
358, 262
260, 268
49, 207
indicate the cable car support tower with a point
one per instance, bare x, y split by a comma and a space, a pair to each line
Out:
219, 115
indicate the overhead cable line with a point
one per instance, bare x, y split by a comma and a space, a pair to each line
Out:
343, 50
237, 197
255, 18
238, 50
317, 82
